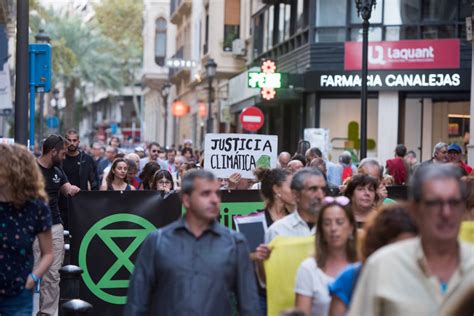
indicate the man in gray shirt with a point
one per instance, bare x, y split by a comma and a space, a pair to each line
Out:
194, 265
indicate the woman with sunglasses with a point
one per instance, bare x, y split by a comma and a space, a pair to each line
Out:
163, 182
116, 179
336, 239
362, 192
391, 224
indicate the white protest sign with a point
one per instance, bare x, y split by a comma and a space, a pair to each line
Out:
318, 137
226, 154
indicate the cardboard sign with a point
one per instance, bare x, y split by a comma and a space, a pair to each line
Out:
226, 154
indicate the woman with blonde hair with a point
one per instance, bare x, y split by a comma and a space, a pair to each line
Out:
24, 216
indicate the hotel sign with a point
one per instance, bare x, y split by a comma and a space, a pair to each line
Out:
406, 54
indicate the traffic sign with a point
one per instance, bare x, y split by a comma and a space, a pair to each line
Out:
251, 119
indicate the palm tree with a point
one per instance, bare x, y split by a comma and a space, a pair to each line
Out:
81, 54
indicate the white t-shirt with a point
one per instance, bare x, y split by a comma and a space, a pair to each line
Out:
313, 282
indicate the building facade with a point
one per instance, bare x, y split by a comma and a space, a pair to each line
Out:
419, 72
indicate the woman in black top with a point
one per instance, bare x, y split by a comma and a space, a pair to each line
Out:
24, 216
117, 177
279, 202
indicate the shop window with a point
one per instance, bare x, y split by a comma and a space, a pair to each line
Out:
458, 125
231, 23
160, 41
331, 12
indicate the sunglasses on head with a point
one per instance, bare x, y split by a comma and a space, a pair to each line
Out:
339, 200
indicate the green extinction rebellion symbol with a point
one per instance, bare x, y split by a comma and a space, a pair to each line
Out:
122, 257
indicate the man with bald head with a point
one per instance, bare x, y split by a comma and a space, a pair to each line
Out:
294, 166
284, 158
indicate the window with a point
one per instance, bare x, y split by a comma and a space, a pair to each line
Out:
258, 29
439, 10
331, 12
398, 12
302, 14
269, 27
231, 23
205, 47
375, 34
284, 22
160, 41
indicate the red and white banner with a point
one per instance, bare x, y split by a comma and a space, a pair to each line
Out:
408, 54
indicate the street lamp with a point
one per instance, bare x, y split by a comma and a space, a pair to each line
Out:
165, 91
42, 38
211, 68
364, 9
56, 103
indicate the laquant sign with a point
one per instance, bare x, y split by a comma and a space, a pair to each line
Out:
406, 54
404, 80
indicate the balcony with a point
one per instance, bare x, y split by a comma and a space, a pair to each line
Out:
178, 9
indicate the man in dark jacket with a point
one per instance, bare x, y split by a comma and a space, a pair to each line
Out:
80, 170
194, 265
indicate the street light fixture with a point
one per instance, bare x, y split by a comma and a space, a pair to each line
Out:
42, 37
364, 9
211, 69
165, 91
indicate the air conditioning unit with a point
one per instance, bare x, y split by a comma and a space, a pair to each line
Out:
238, 47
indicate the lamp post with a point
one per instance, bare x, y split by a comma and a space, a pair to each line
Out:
165, 91
56, 110
211, 68
41, 37
364, 9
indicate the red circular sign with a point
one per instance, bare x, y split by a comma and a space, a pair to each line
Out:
251, 119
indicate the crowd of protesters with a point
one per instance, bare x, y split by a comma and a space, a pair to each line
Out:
373, 255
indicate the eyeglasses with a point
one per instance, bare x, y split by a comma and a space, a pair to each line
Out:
164, 182
440, 204
340, 200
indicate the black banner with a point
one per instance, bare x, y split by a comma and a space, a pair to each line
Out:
107, 229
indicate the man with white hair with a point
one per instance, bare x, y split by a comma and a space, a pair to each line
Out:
283, 159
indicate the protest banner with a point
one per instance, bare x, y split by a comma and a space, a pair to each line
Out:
226, 154
107, 229
466, 232
281, 268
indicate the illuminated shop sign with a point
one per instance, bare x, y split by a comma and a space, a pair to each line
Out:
386, 80
405, 54
267, 80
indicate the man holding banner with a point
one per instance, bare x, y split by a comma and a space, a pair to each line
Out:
194, 265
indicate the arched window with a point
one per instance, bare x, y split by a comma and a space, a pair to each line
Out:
160, 41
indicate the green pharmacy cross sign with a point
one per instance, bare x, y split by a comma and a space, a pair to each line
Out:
267, 80
108, 237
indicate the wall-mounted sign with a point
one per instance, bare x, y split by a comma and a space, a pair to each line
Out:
180, 63
407, 54
267, 80
420, 80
